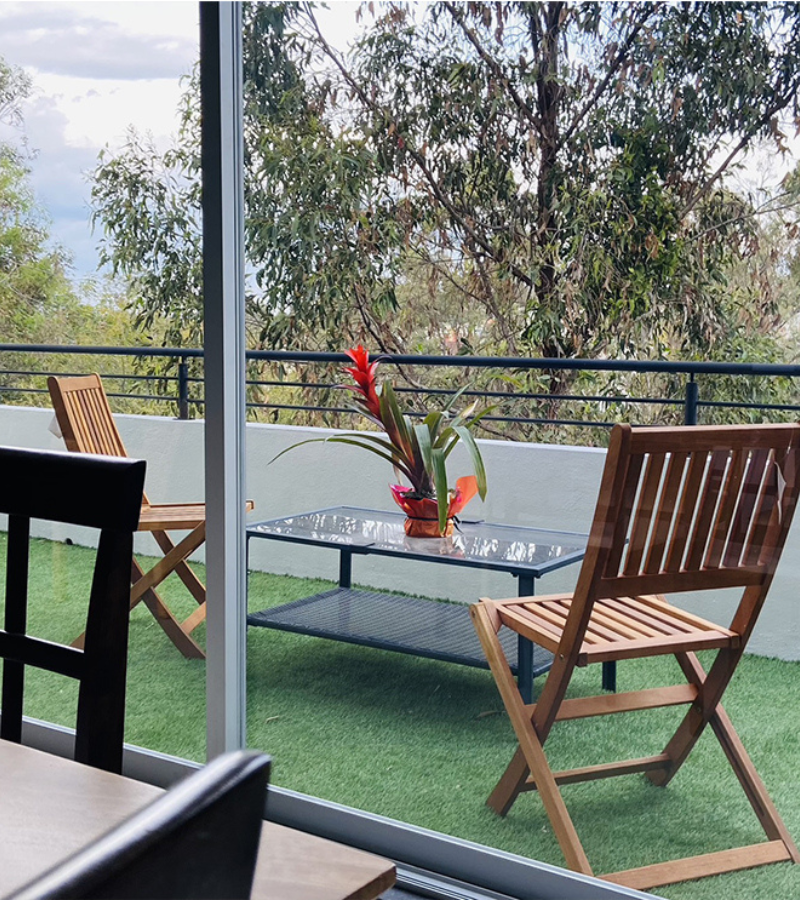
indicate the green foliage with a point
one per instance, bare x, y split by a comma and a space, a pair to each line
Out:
32, 275
39, 304
153, 236
546, 180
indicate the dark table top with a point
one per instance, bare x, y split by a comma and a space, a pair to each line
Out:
506, 548
52, 807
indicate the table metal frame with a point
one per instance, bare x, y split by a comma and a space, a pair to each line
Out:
419, 549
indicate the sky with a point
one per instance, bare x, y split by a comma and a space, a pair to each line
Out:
97, 69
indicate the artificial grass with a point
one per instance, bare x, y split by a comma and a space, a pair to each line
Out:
424, 742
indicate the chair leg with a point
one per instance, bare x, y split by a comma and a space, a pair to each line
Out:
530, 756
510, 785
192, 621
168, 563
193, 584
171, 626
751, 782
162, 614
710, 686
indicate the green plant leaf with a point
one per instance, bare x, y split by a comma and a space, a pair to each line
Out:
475, 455
395, 423
440, 485
434, 421
374, 444
423, 436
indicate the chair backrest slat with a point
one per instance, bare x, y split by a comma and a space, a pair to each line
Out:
696, 508
687, 507
643, 515
761, 520
666, 512
706, 508
84, 416
729, 495
619, 528
753, 490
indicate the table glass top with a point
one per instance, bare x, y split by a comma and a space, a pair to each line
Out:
477, 543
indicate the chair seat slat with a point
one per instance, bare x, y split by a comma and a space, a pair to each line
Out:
627, 607
681, 614
627, 626
541, 632
672, 624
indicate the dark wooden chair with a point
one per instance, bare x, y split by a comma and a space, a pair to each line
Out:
97, 492
87, 426
197, 842
679, 510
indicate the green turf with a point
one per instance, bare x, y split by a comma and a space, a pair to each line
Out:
423, 741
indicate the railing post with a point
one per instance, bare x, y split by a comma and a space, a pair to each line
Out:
691, 401
183, 389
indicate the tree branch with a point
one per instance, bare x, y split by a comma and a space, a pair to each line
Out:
497, 70
418, 157
619, 59
748, 136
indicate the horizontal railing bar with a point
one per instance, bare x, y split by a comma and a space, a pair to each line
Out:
497, 362
728, 404
189, 352
601, 404
500, 395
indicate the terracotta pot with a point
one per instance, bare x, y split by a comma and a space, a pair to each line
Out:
427, 528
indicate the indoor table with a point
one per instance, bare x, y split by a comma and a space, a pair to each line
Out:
51, 807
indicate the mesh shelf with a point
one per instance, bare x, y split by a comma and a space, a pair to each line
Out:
390, 622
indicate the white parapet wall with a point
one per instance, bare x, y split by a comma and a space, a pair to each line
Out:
538, 485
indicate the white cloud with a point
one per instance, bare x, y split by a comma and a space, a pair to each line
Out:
135, 41
96, 115
97, 68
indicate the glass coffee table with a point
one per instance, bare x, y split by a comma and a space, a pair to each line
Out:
429, 628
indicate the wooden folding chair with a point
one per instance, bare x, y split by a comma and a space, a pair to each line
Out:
87, 426
679, 509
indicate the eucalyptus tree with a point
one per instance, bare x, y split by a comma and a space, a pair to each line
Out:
565, 162
552, 173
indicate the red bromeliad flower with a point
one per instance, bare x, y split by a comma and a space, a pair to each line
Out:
417, 451
364, 376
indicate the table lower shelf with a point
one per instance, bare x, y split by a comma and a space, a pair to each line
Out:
389, 622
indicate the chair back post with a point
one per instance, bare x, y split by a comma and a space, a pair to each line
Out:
601, 543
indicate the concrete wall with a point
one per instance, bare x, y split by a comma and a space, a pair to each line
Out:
538, 485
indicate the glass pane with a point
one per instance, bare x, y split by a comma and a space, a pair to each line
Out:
90, 103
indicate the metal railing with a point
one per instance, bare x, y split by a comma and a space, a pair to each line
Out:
283, 385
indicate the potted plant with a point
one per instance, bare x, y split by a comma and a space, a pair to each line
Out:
417, 451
